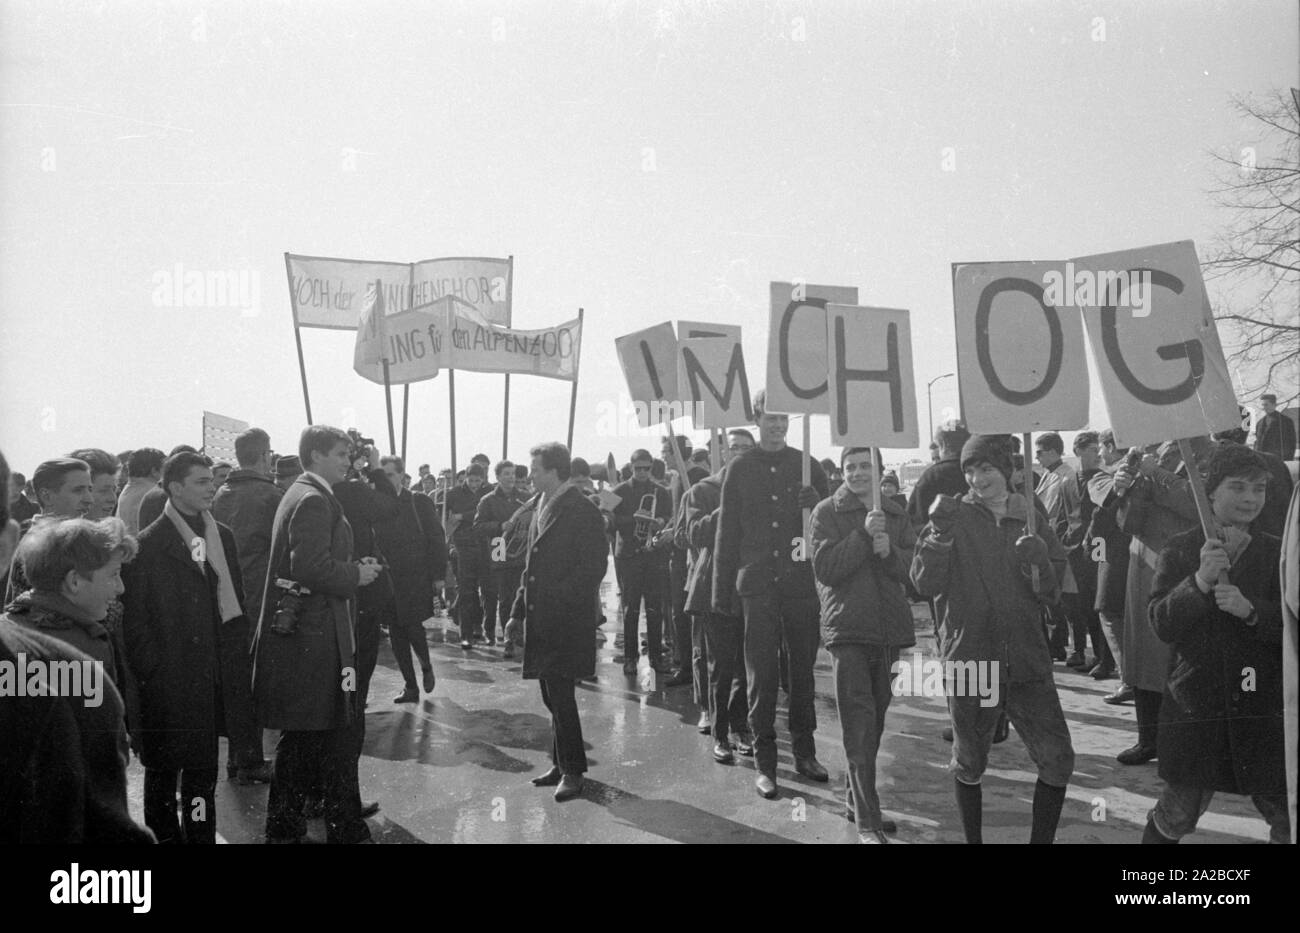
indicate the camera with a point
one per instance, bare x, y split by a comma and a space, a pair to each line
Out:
288, 608
358, 444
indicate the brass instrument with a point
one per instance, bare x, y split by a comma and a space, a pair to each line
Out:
646, 522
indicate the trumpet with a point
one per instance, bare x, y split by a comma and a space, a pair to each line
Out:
646, 522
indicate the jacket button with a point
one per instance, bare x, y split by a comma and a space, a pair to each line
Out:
776, 553
530, 608
773, 469
532, 579
776, 524
774, 498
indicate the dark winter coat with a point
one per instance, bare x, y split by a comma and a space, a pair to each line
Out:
567, 558
493, 511
1112, 569
759, 524
416, 550
943, 478
863, 596
246, 504
1217, 731
171, 626
1275, 434
630, 495
58, 618
365, 505
985, 600
298, 678
701, 517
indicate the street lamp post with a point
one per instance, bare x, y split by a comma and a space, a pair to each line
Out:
929, 404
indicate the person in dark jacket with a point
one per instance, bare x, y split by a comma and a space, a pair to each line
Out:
554, 613
861, 558
943, 477
368, 498
305, 665
499, 580
1274, 432
988, 578
1107, 546
760, 559
417, 564
151, 504
181, 588
688, 652
642, 565
63, 489
246, 504
1218, 603
467, 553
1156, 504
727, 699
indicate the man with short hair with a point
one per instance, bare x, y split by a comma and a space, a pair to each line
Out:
220, 473
62, 761
1274, 432
63, 489
305, 675
416, 548
554, 615
467, 552
103, 481
183, 586
144, 471
21, 507
725, 700
246, 504
500, 573
643, 565
760, 561
151, 505
944, 476
689, 662
1059, 492
1087, 447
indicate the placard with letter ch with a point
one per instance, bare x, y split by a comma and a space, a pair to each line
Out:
796, 346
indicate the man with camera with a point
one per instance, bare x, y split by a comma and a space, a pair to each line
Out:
642, 512
305, 676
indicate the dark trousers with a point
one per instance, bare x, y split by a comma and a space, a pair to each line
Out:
198, 815
699, 660
407, 637
1056, 624
683, 643
469, 606
568, 753
242, 728
771, 620
863, 675
728, 687
645, 579
368, 622
498, 587
302, 761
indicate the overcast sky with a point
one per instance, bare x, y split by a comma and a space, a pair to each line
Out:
647, 161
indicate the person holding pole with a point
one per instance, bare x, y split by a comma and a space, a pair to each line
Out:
760, 558
989, 575
1217, 602
862, 551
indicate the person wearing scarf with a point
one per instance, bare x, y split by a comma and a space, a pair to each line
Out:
182, 587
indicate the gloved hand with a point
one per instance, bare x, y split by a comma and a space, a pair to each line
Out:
943, 513
808, 497
1031, 549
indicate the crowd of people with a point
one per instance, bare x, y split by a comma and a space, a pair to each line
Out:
226, 599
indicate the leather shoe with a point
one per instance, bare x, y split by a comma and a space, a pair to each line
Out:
1137, 755
369, 809
704, 725
407, 696
1123, 695
876, 837
549, 779
811, 768
1102, 672
743, 743
722, 754
429, 681
1076, 660
570, 787
765, 784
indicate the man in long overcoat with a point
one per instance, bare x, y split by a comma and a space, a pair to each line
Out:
555, 608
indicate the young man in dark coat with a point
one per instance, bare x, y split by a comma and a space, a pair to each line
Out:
466, 553
861, 559
760, 558
988, 578
305, 668
183, 586
727, 700
1218, 603
642, 566
554, 613
246, 503
417, 563
1108, 546
944, 477
686, 646
1274, 432
500, 577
